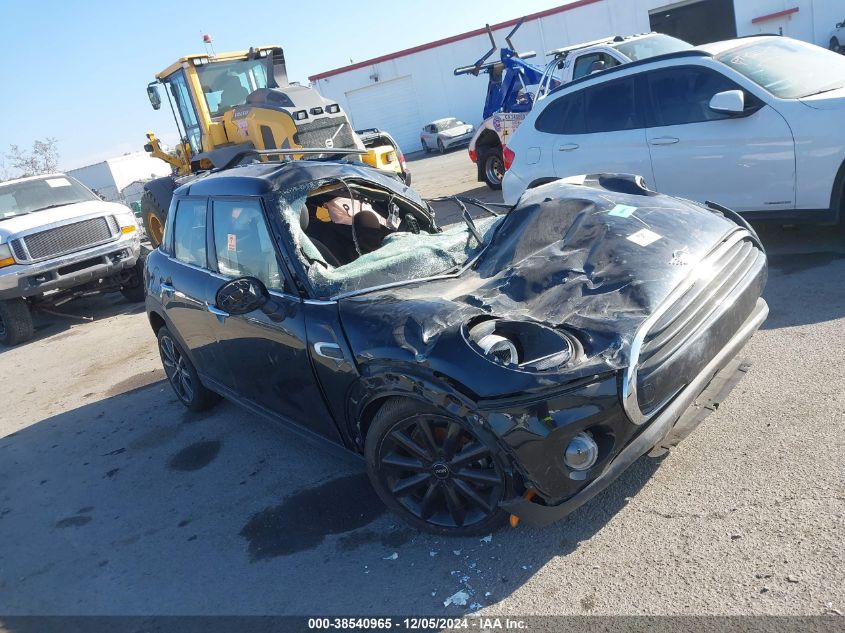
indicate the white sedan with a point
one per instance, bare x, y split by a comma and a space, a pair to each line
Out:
755, 124
443, 134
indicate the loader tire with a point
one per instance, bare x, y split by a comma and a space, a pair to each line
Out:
154, 218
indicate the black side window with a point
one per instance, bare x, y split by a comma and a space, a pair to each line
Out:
611, 107
189, 232
564, 115
243, 243
682, 95
587, 64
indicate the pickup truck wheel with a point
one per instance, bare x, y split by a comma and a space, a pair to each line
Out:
440, 473
133, 290
154, 217
492, 167
181, 374
15, 322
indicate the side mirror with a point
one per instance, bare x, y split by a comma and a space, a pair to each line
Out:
728, 102
242, 295
154, 97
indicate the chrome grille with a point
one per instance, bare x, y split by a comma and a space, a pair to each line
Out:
69, 238
694, 324
17, 247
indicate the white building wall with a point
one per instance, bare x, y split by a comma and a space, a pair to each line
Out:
109, 177
440, 94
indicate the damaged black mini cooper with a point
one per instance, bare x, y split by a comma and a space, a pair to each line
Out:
508, 365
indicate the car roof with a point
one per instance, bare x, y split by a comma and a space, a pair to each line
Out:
448, 118
611, 72
260, 178
717, 48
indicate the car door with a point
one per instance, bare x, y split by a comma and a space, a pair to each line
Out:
267, 353
185, 287
744, 162
600, 129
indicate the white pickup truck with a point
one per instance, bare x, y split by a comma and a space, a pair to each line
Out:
59, 240
568, 63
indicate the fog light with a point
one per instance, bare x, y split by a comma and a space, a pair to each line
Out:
581, 452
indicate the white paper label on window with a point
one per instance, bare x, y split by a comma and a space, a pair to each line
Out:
58, 182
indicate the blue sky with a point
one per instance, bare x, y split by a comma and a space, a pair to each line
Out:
78, 70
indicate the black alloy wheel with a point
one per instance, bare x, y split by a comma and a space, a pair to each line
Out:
436, 471
181, 374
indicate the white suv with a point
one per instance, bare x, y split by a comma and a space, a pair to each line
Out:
755, 124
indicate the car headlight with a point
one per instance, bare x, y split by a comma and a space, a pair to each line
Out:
521, 344
6, 258
128, 223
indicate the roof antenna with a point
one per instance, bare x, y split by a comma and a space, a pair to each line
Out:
209, 43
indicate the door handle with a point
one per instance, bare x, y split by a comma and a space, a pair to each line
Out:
568, 147
220, 314
663, 140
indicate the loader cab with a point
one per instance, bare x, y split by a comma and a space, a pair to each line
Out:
201, 89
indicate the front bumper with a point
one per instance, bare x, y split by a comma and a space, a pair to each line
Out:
69, 271
677, 420
457, 141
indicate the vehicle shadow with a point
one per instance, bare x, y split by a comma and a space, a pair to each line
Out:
806, 266
59, 322
131, 505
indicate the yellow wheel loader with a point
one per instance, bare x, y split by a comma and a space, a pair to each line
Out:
230, 103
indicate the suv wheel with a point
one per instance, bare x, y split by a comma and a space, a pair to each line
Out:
181, 374
15, 322
439, 473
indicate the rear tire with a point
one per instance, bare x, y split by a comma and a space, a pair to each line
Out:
182, 375
15, 322
492, 167
439, 473
425, 147
834, 45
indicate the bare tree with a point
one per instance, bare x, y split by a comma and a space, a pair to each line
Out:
43, 158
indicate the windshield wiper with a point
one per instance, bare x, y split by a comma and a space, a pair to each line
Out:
469, 221
812, 94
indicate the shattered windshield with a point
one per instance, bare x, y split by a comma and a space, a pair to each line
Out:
29, 196
448, 124
350, 237
786, 68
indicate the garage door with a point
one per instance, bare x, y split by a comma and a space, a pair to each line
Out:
390, 106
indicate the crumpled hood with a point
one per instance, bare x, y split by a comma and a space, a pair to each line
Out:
594, 261
62, 215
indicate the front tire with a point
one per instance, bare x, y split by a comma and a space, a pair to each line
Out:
439, 473
492, 167
182, 375
133, 289
440, 147
15, 322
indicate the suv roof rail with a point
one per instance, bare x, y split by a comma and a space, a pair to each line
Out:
610, 39
307, 151
696, 52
